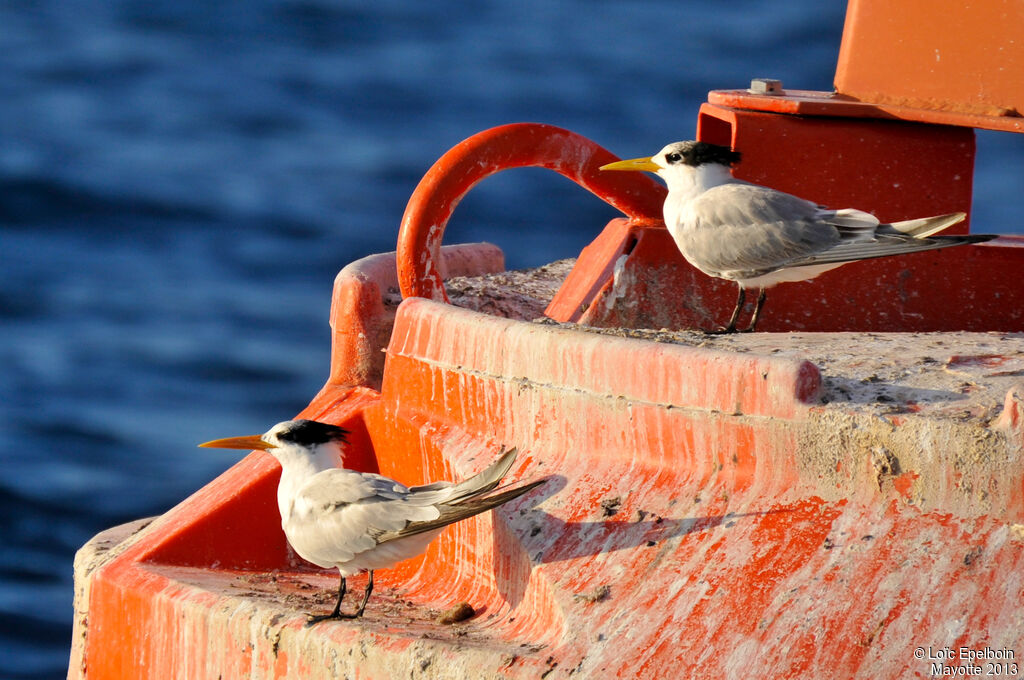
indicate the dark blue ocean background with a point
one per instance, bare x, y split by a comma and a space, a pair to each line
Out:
180, 182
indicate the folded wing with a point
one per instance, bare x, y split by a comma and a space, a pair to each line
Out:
744, 230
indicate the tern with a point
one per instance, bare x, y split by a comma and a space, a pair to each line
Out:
758, 236
360, 521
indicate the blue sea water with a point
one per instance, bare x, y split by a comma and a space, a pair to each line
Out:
180, 182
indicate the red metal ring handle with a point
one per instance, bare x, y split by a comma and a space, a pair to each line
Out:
500, 148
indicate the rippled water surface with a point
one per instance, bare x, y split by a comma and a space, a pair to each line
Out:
180, 182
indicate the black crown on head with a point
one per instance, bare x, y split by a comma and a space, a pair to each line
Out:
696, 154
312, 432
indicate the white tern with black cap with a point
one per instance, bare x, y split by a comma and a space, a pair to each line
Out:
758, 236
360, 521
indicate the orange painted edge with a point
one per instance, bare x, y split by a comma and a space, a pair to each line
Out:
832, 104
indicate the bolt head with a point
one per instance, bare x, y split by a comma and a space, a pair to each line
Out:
765, 86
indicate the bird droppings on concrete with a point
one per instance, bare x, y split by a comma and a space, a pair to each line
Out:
887, 399
597, 594
521, 294
880, 372
610, 506
901, 372
884, 396
552, 665
460, 612
280, 601
885, 464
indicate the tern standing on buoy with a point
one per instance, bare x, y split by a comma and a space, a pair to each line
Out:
758, 237
359, 521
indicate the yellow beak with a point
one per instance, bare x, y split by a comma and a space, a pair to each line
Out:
633, 164
246, 443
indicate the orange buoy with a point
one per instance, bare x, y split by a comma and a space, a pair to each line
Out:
839, 498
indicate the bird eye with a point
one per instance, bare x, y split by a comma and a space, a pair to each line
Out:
674, 157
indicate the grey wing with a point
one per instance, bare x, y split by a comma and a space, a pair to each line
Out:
344, 513
341, 513
909, 236
449, 514
741, 230
481, 482
337, 487
744, 230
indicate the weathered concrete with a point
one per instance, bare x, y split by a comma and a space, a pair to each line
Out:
520, 294
101, 549
935, 409
937, 413
807, 505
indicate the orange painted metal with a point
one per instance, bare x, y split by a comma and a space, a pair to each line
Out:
684, 530
977, 289
895, 170
488, 152
908, 60
634, 276
817, 103
678, 532
967, 58
679, 528
363, 307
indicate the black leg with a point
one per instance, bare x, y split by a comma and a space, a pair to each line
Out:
757, 310
731, 328
366, 596
336, 613
362, 606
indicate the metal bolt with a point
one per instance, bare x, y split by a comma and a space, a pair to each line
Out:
765, 86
